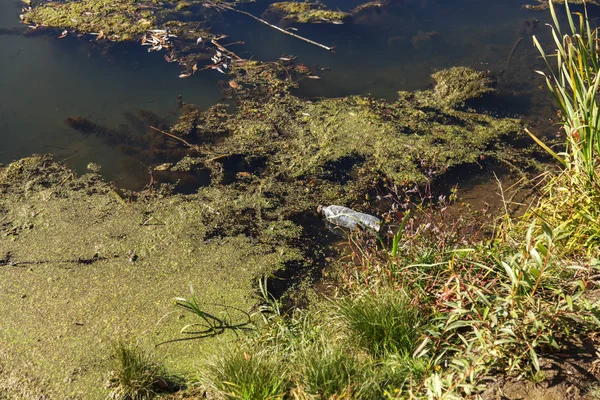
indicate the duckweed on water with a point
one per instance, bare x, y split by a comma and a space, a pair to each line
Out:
404, 140
105, 267
298, 153
119, 20
124, 20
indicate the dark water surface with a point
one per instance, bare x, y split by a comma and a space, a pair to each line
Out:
43, 79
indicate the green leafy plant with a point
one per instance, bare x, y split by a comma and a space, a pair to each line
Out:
229, 319
571, 200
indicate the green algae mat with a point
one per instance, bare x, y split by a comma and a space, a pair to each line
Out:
82, 268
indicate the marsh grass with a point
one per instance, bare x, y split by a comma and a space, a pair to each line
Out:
137, 375
571, 200
329, 369
384, 322
249, 375
574, 83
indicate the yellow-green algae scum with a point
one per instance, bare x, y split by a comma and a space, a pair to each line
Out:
118, 20
59, 317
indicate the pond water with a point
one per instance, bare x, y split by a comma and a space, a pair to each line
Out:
43, 80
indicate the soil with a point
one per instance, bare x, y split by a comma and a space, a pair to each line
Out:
572, 374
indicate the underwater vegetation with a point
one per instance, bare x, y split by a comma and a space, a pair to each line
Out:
308, 152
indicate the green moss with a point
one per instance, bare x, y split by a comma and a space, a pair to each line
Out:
305, 13
119, 20
456, 85
422, 133
182, 5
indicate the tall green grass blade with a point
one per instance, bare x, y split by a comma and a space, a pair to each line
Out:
545, 147
553, 14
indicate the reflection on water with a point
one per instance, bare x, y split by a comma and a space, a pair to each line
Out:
43, 80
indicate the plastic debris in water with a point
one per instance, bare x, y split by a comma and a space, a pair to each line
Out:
348, 218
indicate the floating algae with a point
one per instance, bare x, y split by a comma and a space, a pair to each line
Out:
118, 20
413, 139
105, 266
304, 13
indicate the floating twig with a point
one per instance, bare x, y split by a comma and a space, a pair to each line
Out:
281, 30
191, 146
224, 50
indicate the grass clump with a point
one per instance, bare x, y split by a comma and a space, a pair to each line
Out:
328, 370
571, 200
383, 323
137, 375
249, 375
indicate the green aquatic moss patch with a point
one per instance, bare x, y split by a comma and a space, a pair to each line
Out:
305, 13
81, 266
413, 139
119, 20
456, 85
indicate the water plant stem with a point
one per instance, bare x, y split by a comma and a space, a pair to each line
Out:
511, 54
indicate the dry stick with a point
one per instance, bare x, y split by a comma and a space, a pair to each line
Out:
174, 137
224, 50
282, 30
191, 146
